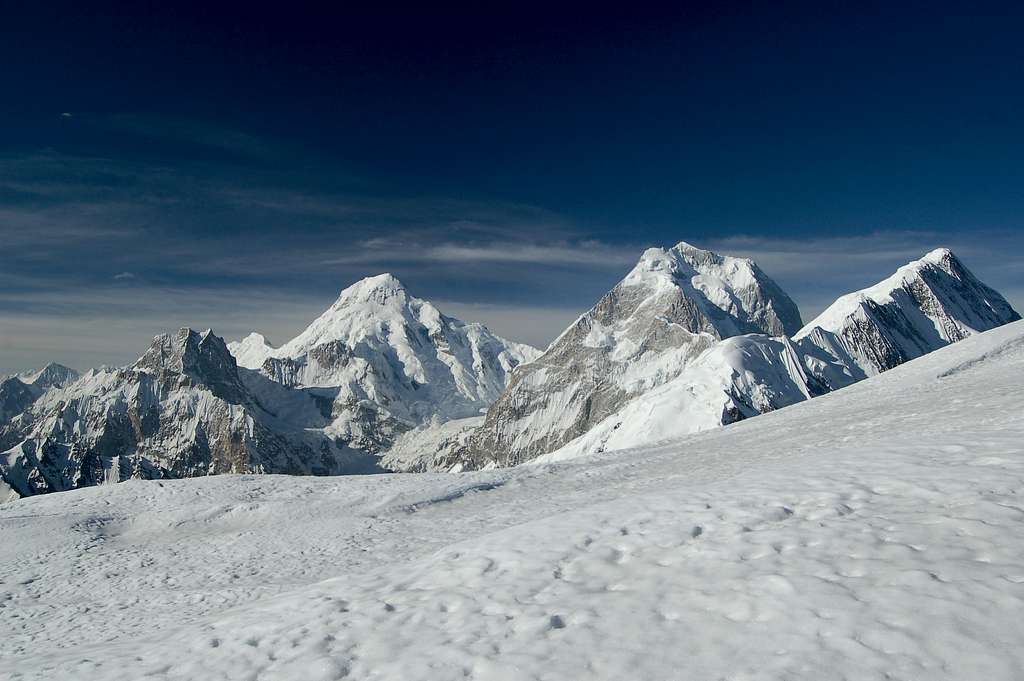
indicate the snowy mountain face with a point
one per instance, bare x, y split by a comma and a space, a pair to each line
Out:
52, 375
183, 409
18, 392
690, 375
673, 306
927, 304
388, 362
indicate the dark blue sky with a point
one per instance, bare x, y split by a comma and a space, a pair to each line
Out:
236, 166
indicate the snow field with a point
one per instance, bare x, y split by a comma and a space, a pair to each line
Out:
873, 533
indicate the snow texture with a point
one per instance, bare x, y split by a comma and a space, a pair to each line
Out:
872, 533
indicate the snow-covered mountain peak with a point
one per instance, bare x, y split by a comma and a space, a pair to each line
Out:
938, 256
50, 376
183, 409
256, 337
943, 295
180, 352
373, 307
379, 289
389, 361
716, 284
926, 304
670, 351
672, 306
251, 351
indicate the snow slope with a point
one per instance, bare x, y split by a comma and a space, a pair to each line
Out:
872, 533
734, 379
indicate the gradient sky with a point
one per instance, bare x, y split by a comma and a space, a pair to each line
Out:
235, 167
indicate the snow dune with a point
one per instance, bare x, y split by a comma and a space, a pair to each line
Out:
872, 533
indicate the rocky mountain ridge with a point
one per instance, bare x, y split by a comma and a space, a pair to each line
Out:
183, 409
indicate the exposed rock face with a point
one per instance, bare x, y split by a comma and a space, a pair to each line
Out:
671, 307
183, 409
388, 362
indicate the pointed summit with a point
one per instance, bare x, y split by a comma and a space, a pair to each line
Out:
935, 298
716, 284
389, 361
50, 376
939, 256
377, 289
927, 304
203, 357
251, 351
672, 306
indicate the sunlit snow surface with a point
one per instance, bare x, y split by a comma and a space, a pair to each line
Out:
873, 533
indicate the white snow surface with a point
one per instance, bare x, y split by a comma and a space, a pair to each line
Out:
251, 351
873, 533
765, 370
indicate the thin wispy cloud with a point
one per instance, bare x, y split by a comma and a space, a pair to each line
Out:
583, 253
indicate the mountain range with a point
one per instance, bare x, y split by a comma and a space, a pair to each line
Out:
382, 380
